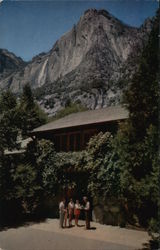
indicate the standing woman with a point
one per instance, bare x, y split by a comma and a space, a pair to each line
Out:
77, 212
70, 211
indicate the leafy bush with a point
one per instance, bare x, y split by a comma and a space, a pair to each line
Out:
72, 172
138, 140
27, 187
102, 165
154, 231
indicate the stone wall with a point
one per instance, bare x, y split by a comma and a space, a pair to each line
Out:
109, 212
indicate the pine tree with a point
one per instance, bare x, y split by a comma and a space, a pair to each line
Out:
8, 121
137, 139
141, 98
31, 114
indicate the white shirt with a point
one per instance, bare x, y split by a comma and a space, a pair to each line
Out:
61, 206
77, 206
70, 205
87, 206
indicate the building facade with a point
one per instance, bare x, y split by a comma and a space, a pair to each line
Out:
73, 132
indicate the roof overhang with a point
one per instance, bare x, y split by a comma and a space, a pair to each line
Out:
81, 119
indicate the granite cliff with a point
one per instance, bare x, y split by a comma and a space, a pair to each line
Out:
91, 64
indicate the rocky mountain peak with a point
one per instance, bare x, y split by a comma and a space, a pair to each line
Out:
85, 65
11, 57
90, 12
94, 12
9, 63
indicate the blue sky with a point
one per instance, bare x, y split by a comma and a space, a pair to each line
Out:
28, 28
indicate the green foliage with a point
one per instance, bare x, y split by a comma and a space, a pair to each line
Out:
104, 173
142, 96
42, 156
31, 114
19, 181
72, 172
20, 185
8, 140
8, 121
154, 232
31, 177
46, 160
57, 171
137, 140
6, 184
27, 99
7, 101
138, 163
27, 187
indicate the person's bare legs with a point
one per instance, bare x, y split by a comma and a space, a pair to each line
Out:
70, 220
76, 220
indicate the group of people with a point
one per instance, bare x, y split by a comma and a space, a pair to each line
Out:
72, 210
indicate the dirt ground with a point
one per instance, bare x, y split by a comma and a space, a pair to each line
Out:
47, 236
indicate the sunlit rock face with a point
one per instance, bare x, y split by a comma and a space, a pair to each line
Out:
91, 64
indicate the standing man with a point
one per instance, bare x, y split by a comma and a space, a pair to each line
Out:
87, 211
61, 212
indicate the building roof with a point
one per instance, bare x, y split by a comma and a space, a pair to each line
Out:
112, 113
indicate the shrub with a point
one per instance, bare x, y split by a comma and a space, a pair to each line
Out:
102, 165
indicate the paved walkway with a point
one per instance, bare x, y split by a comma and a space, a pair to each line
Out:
48, 236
